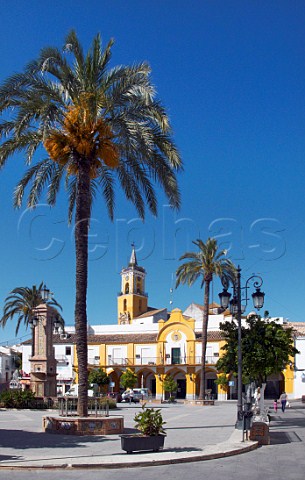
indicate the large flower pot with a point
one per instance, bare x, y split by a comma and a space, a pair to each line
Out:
138, 442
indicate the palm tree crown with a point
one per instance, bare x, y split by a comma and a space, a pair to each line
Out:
207, 262
87, 116
21, 304
98, 125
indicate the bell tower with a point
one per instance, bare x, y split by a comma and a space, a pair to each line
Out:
132, 300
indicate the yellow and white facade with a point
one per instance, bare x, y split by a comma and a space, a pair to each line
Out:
154, 343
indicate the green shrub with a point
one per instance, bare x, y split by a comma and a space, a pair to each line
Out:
149, 421
111, 402
17, 399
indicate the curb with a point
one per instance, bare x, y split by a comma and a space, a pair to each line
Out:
227, 451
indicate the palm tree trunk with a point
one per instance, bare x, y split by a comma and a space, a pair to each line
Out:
82, 220
204, 338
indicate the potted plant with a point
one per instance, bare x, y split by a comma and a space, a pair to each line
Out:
151, 436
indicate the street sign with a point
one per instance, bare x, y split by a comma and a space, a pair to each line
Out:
231, 383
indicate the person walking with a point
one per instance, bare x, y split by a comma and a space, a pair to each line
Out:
283, 400
275, 405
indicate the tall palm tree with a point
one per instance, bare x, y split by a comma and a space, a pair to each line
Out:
97, 125
205, 263
22, 302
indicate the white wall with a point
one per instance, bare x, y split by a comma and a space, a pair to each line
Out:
116, 354
146, 354
299, 379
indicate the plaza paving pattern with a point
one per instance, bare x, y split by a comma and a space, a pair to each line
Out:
194, 433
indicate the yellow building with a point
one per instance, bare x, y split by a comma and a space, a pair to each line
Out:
154, 343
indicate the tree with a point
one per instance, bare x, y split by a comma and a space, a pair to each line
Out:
170, 385
128, 379
21, 304
99, 377
96, 125
206, 263
267, 348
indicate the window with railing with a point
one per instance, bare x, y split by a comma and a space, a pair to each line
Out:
170, 359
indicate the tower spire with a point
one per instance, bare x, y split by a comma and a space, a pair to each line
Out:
133, 258
132, 300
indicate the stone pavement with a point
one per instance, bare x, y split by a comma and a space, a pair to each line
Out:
194, 433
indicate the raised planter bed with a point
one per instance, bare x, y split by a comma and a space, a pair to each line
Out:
137, 442
84, 425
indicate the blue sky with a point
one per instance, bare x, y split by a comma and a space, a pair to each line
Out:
232, 77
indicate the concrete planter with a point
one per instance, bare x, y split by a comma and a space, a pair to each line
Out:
84, 425
138, 442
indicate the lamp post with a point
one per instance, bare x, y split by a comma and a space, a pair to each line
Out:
237, 309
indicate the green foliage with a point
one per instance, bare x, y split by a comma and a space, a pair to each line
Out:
99, 377
222, 380
267, 348
128, 379
149, 421
104, 401
77, 121
169, 384
204, 264
21, 303
18, 399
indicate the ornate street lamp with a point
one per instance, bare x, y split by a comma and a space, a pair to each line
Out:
236, 309
45, 293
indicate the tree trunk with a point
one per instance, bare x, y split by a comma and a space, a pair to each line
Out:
82, 221
204, 339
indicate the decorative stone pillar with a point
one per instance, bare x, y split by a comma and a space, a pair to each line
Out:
43, 363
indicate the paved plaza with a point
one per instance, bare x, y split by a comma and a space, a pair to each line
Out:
194, 433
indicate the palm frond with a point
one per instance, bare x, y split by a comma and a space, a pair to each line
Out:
21, 305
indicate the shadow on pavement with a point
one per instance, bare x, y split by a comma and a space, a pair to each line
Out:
6, 458
200, 427
280, 438
20, 439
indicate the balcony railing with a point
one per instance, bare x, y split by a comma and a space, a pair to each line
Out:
94, 360
117, 361
151, 361
62, 360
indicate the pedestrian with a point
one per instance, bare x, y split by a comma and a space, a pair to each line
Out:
283, 400
275, 405
131, 394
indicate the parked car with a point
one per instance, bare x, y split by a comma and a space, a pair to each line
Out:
130, 396
136, 394
73, 392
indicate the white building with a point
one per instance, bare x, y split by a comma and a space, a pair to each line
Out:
7, 365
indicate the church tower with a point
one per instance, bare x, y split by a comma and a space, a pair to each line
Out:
132, 300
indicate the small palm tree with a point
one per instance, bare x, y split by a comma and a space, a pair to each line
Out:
97, 125
205, 263
21, 304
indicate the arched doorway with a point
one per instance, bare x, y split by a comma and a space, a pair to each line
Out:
180, 379
211, 386
146, 379
275, 386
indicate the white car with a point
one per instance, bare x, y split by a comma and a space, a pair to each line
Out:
73, 392
136, 394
